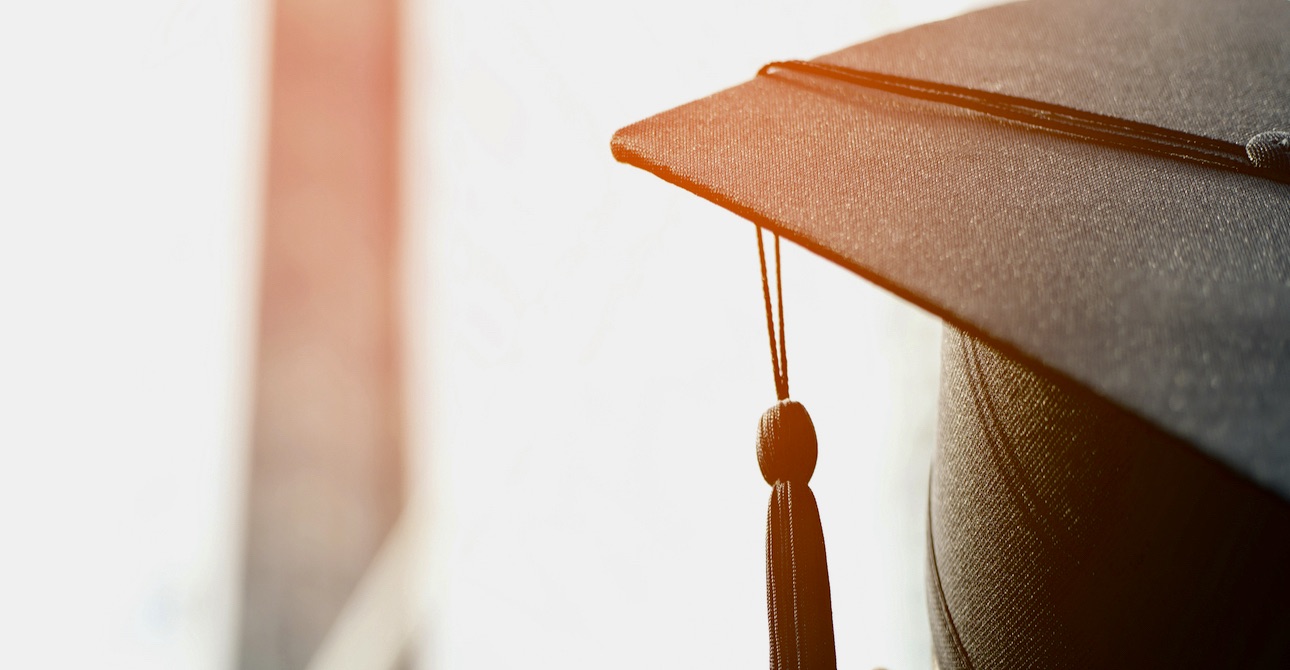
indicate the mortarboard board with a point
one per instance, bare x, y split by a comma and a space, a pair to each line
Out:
1095, 196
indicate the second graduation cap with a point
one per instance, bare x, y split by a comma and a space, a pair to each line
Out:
1095, 196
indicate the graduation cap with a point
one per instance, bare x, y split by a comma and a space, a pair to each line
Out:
1095, 197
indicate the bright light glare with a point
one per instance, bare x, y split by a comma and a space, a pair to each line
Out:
597, 354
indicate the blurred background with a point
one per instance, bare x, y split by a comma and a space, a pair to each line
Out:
333, 337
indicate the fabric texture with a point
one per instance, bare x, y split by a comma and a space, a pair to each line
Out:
1066, 533
1161, 285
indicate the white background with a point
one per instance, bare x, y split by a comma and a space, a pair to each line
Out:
129, 170
588, 355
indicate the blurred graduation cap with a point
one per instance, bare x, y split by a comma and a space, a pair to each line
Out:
1095, 197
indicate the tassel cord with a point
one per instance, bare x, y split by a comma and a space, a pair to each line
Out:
778, 356
1263, 157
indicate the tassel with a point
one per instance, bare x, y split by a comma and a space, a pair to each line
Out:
799, 607
798, 602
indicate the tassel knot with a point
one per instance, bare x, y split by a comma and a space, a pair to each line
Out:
786, 444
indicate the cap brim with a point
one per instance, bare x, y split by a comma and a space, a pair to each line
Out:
1161, 285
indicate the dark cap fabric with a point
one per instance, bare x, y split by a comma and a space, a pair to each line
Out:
1064, 532
1158, 284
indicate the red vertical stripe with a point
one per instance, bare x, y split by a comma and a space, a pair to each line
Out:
326, 468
